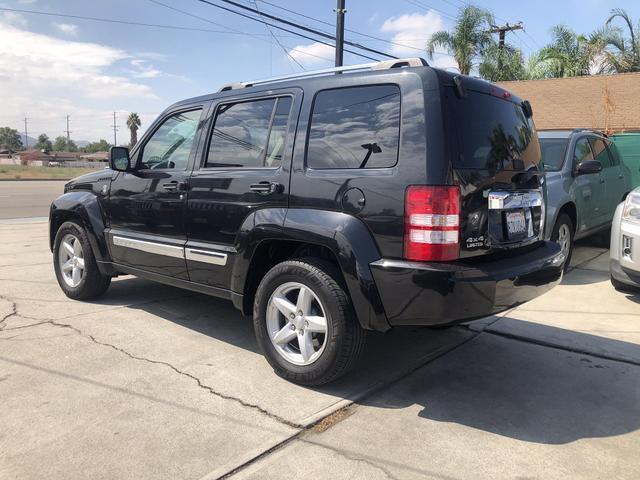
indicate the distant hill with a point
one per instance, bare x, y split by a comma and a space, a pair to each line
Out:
32, 141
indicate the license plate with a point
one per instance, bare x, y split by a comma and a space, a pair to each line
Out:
516, 223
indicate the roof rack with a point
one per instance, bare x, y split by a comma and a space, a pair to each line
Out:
594, 130
383, 65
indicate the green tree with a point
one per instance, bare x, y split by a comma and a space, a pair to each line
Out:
468, 40
570, 54
133, 123
621, 54
502, 64
10, 139
43, 143
101, 146
60, 144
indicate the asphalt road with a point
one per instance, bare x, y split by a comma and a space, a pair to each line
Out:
25, 199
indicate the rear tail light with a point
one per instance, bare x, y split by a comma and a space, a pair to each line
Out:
432, 223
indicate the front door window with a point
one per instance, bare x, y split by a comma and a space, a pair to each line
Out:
169, 147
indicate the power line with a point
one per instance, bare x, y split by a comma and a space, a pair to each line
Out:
372, 37
278, 41
126, 22
261, 21
301, 27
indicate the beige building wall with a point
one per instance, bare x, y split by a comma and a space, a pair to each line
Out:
604, 102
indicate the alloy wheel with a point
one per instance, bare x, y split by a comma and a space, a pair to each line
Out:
564, 239
296, 323
71, 260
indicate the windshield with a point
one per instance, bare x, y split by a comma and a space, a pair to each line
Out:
553, 152
494, 134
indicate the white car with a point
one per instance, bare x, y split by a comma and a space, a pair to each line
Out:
625, 243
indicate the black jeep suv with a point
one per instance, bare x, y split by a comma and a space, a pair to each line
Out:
324, 205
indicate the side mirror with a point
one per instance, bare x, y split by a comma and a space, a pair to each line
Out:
589, 166
527, 109
119, 159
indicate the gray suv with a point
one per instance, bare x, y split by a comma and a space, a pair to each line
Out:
585, 183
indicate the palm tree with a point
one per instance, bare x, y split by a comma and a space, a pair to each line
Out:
569, 54
622, 54
133, 123
468, 40
500, 64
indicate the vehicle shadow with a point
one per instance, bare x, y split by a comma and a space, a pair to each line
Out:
527, 391
509, 387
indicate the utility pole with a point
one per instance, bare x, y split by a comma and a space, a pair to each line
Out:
26, 135
68, 133
115, 129
340, 11
502, 31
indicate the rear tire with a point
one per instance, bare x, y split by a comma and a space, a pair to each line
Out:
331, 350
563, 232
75, 265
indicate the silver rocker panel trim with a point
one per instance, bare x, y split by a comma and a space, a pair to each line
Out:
149, 247
205, 256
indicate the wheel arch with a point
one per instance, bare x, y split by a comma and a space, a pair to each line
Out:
333, 236
571, 210
83, 208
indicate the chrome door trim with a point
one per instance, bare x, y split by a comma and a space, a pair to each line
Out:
149, 247
205, 256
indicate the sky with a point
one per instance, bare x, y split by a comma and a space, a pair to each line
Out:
54, 66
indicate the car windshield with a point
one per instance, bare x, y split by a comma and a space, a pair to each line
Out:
553, 152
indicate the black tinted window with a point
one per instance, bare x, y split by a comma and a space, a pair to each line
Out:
600, 151
553, 152
494, 134
355, 128
249, 134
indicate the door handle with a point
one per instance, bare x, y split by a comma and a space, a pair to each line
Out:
266, 188
174, 186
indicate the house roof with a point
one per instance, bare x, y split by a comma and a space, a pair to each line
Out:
602, 102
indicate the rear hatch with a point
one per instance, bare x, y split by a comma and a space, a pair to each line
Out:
496, 162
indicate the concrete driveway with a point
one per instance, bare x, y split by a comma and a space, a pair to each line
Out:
156, 382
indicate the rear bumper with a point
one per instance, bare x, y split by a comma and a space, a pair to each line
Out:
625, 268
444, 293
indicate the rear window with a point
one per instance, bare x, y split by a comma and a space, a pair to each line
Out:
553, 153
494, 134
356, 127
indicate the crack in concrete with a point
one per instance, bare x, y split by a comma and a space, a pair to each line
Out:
14, 312
354, 458
211, 390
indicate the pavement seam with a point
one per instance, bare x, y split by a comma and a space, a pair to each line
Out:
579, 265
542, 343
308, 428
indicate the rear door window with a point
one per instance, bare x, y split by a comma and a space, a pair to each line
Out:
600, 152
494, 134
357, 127
249, 134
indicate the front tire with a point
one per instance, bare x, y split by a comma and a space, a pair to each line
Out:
562, 234
75, 265
304, 322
